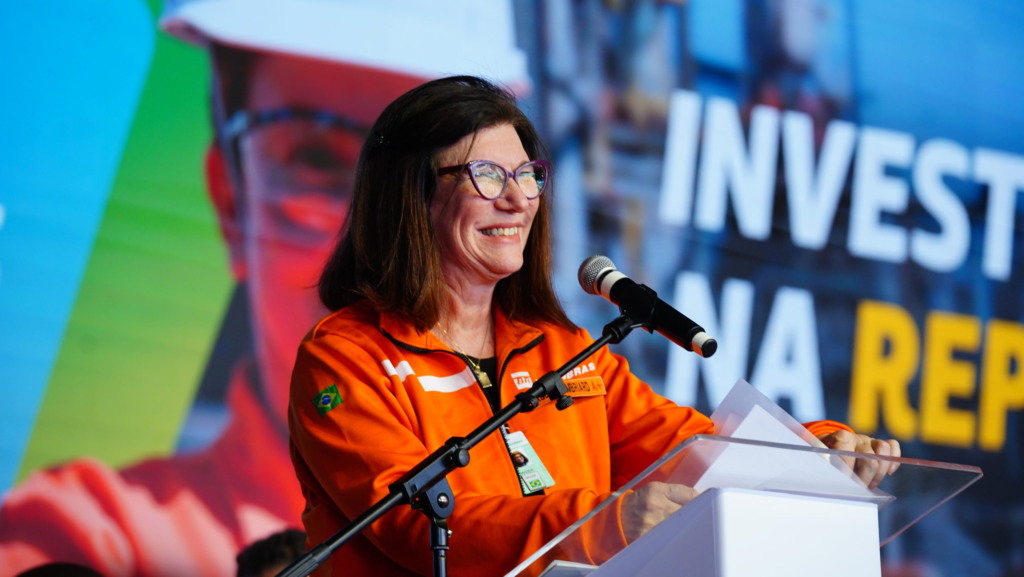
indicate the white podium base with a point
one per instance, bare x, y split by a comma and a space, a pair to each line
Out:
745, 533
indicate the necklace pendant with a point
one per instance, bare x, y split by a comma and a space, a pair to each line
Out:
481, 376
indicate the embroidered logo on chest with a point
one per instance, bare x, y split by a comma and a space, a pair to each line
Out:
522, 380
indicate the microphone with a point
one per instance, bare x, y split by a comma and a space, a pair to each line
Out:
598, 276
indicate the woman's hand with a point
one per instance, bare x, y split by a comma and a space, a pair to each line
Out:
651, 504
871, 471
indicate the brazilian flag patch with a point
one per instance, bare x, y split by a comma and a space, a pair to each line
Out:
327, 399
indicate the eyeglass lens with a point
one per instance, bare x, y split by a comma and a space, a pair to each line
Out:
491, 178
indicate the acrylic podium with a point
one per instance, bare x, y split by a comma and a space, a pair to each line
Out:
764, 509
792, 511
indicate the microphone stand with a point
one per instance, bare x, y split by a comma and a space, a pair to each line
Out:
425, 487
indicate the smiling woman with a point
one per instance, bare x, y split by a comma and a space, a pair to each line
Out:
401, 191
443, 311
481, 221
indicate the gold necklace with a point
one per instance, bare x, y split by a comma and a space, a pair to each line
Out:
481, 375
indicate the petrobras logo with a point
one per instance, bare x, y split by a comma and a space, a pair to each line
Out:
580, 370
522, 380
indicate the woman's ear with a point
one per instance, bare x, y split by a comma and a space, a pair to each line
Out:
224, 196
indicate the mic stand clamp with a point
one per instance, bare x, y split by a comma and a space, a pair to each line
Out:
617, 330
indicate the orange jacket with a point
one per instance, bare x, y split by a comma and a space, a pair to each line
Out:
404, 393
183, 516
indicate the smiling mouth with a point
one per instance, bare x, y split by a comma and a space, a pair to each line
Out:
506, 231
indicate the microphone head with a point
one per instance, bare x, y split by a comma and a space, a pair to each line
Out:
590, 272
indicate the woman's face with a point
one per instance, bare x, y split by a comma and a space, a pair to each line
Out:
297, 190
482, 241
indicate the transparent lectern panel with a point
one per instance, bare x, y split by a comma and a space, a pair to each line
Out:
910, 491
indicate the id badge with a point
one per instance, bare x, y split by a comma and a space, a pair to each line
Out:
533, 476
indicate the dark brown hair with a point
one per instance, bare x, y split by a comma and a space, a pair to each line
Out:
388, 252
279, 548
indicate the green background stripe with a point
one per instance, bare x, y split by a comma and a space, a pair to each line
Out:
155, 288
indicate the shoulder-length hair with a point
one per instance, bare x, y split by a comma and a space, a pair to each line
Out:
388, 252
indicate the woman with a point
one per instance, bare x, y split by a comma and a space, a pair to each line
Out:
444, 311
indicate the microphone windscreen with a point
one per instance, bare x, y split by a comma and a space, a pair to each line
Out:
590, 271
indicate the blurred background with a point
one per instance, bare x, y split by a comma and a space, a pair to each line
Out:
831, 187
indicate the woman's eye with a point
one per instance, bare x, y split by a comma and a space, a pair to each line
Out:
313, 157
316, 165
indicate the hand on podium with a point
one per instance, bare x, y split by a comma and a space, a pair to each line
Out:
651, 504
871, 471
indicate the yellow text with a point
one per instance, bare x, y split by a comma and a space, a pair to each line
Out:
953, 355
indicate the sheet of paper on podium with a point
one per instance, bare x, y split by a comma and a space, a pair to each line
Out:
746, 413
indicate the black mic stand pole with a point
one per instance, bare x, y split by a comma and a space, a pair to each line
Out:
425, 487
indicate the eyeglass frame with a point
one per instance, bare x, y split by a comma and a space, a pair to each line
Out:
513, 174
242, 121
